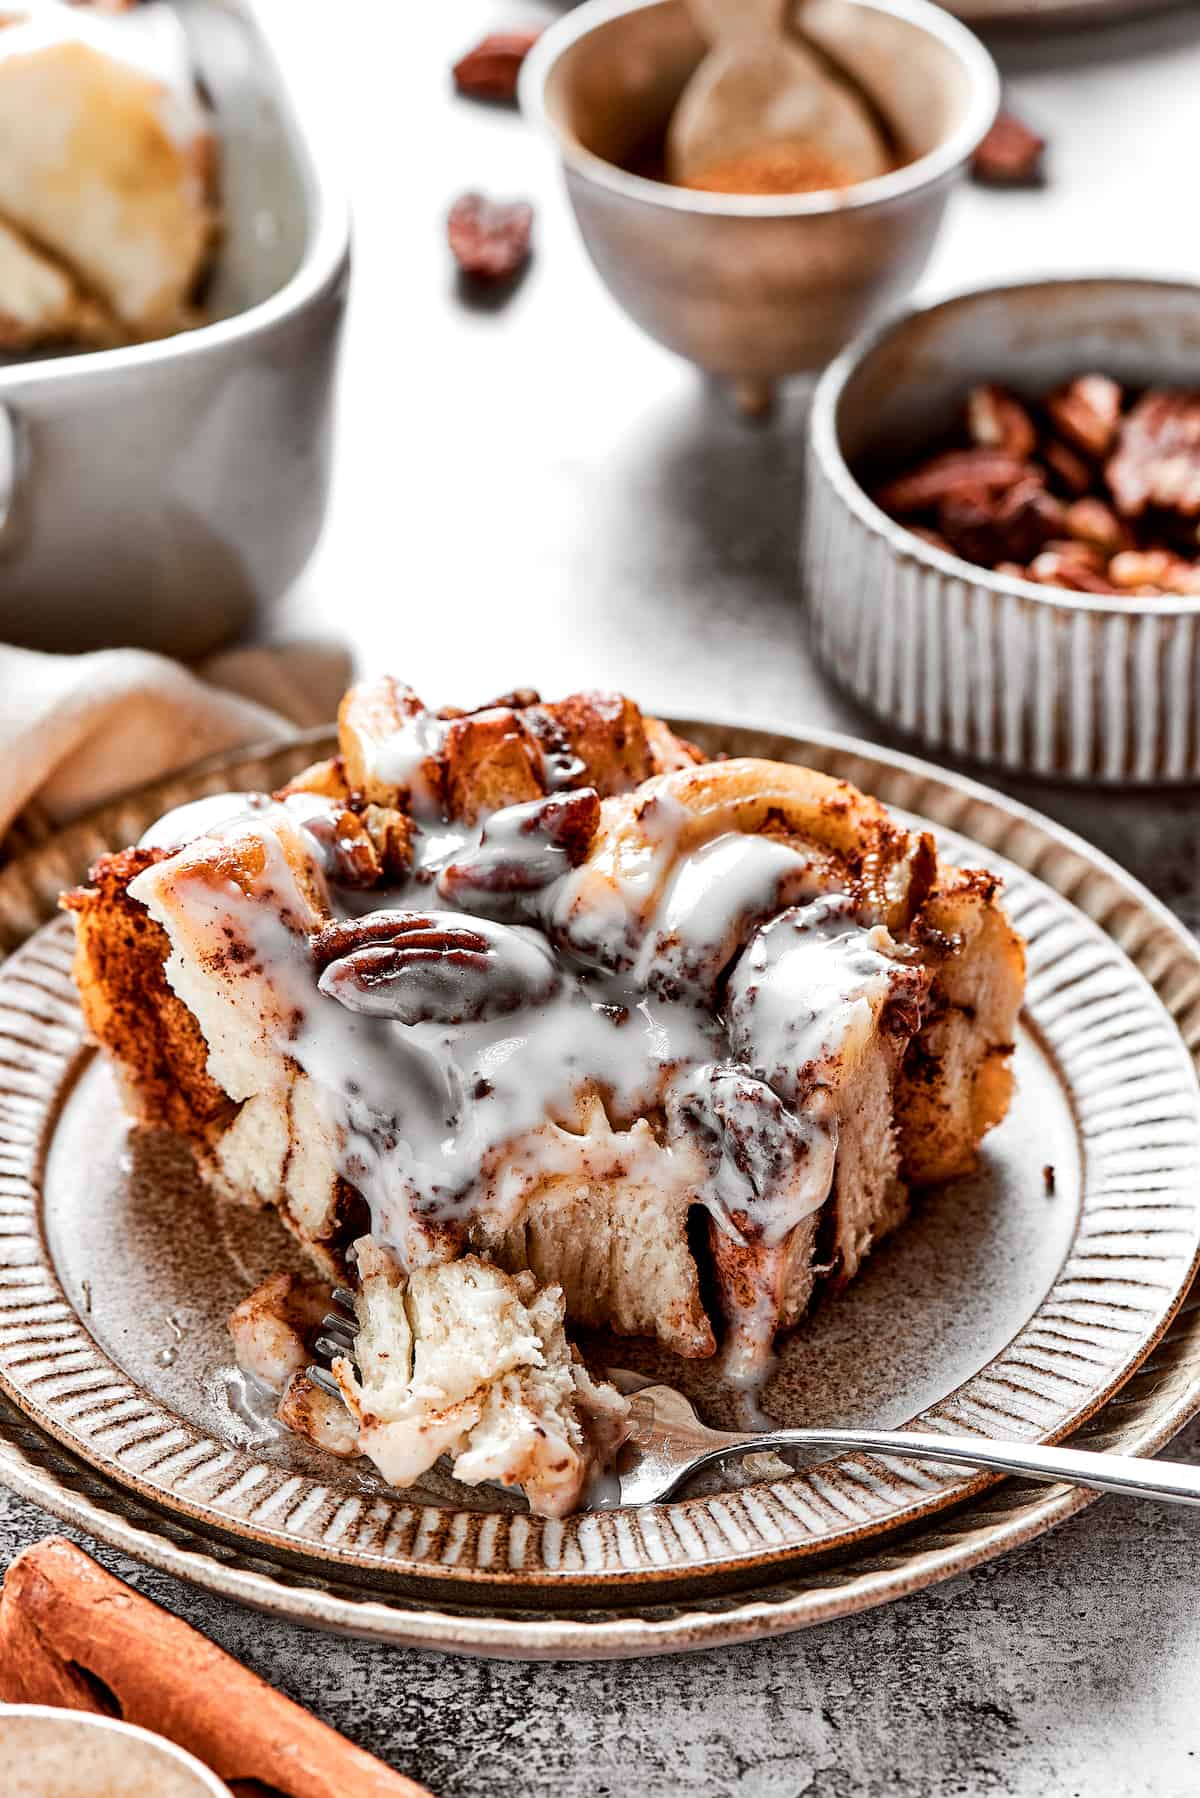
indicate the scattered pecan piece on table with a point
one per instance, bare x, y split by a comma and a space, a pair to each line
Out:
490, 70
1010, 155
490, 239
1157, 458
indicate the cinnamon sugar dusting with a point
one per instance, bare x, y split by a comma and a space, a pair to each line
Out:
773, 169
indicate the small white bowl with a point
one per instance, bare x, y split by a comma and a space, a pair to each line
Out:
47, 1753
750, 287
1025, 677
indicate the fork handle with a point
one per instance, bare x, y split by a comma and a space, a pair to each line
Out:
1133, 1475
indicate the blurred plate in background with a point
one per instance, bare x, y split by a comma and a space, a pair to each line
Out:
1048, 12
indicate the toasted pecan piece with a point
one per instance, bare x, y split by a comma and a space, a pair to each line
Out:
1069, 469
1157, 458
1136, 569
1007, 527
1087, 411
1091, 522
948, 475
996, 419
490, 239
1065, 567
489, 71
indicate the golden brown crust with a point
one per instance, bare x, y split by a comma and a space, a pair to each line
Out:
128, 1006
956, 1081
489, 759
327, 780
504, 753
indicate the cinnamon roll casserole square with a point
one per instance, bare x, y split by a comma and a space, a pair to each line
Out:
495, 1005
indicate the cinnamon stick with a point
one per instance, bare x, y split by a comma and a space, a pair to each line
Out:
74, 1636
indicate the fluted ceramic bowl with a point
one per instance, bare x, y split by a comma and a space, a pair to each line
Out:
1030, 678
755, 287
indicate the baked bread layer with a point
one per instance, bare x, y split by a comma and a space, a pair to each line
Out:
535, 990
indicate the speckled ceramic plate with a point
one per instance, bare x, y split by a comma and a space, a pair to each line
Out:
1000, 1307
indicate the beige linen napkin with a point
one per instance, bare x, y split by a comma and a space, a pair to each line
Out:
76, 730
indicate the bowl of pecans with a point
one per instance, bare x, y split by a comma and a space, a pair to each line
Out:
1002, 542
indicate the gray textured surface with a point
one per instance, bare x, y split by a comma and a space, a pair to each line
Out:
538, 494
1067, 1669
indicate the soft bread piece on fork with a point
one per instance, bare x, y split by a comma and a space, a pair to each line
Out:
471, 1362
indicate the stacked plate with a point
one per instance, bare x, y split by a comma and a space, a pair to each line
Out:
1039, 12
1044, 1297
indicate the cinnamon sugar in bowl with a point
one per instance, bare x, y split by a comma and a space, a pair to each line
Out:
777, 169
753, 287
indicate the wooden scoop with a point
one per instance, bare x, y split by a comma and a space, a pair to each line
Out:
760, 88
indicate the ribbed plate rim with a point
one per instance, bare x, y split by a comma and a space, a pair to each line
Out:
1156, 926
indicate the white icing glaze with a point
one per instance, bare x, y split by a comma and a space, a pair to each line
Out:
805, 991
711, 901
400, 760
458, 1108
184, 823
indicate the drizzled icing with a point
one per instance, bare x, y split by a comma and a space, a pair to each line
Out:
198, 816
402, 760
806, 990
711, 991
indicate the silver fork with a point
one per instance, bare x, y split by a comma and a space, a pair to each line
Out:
339, 1328
668, 1444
